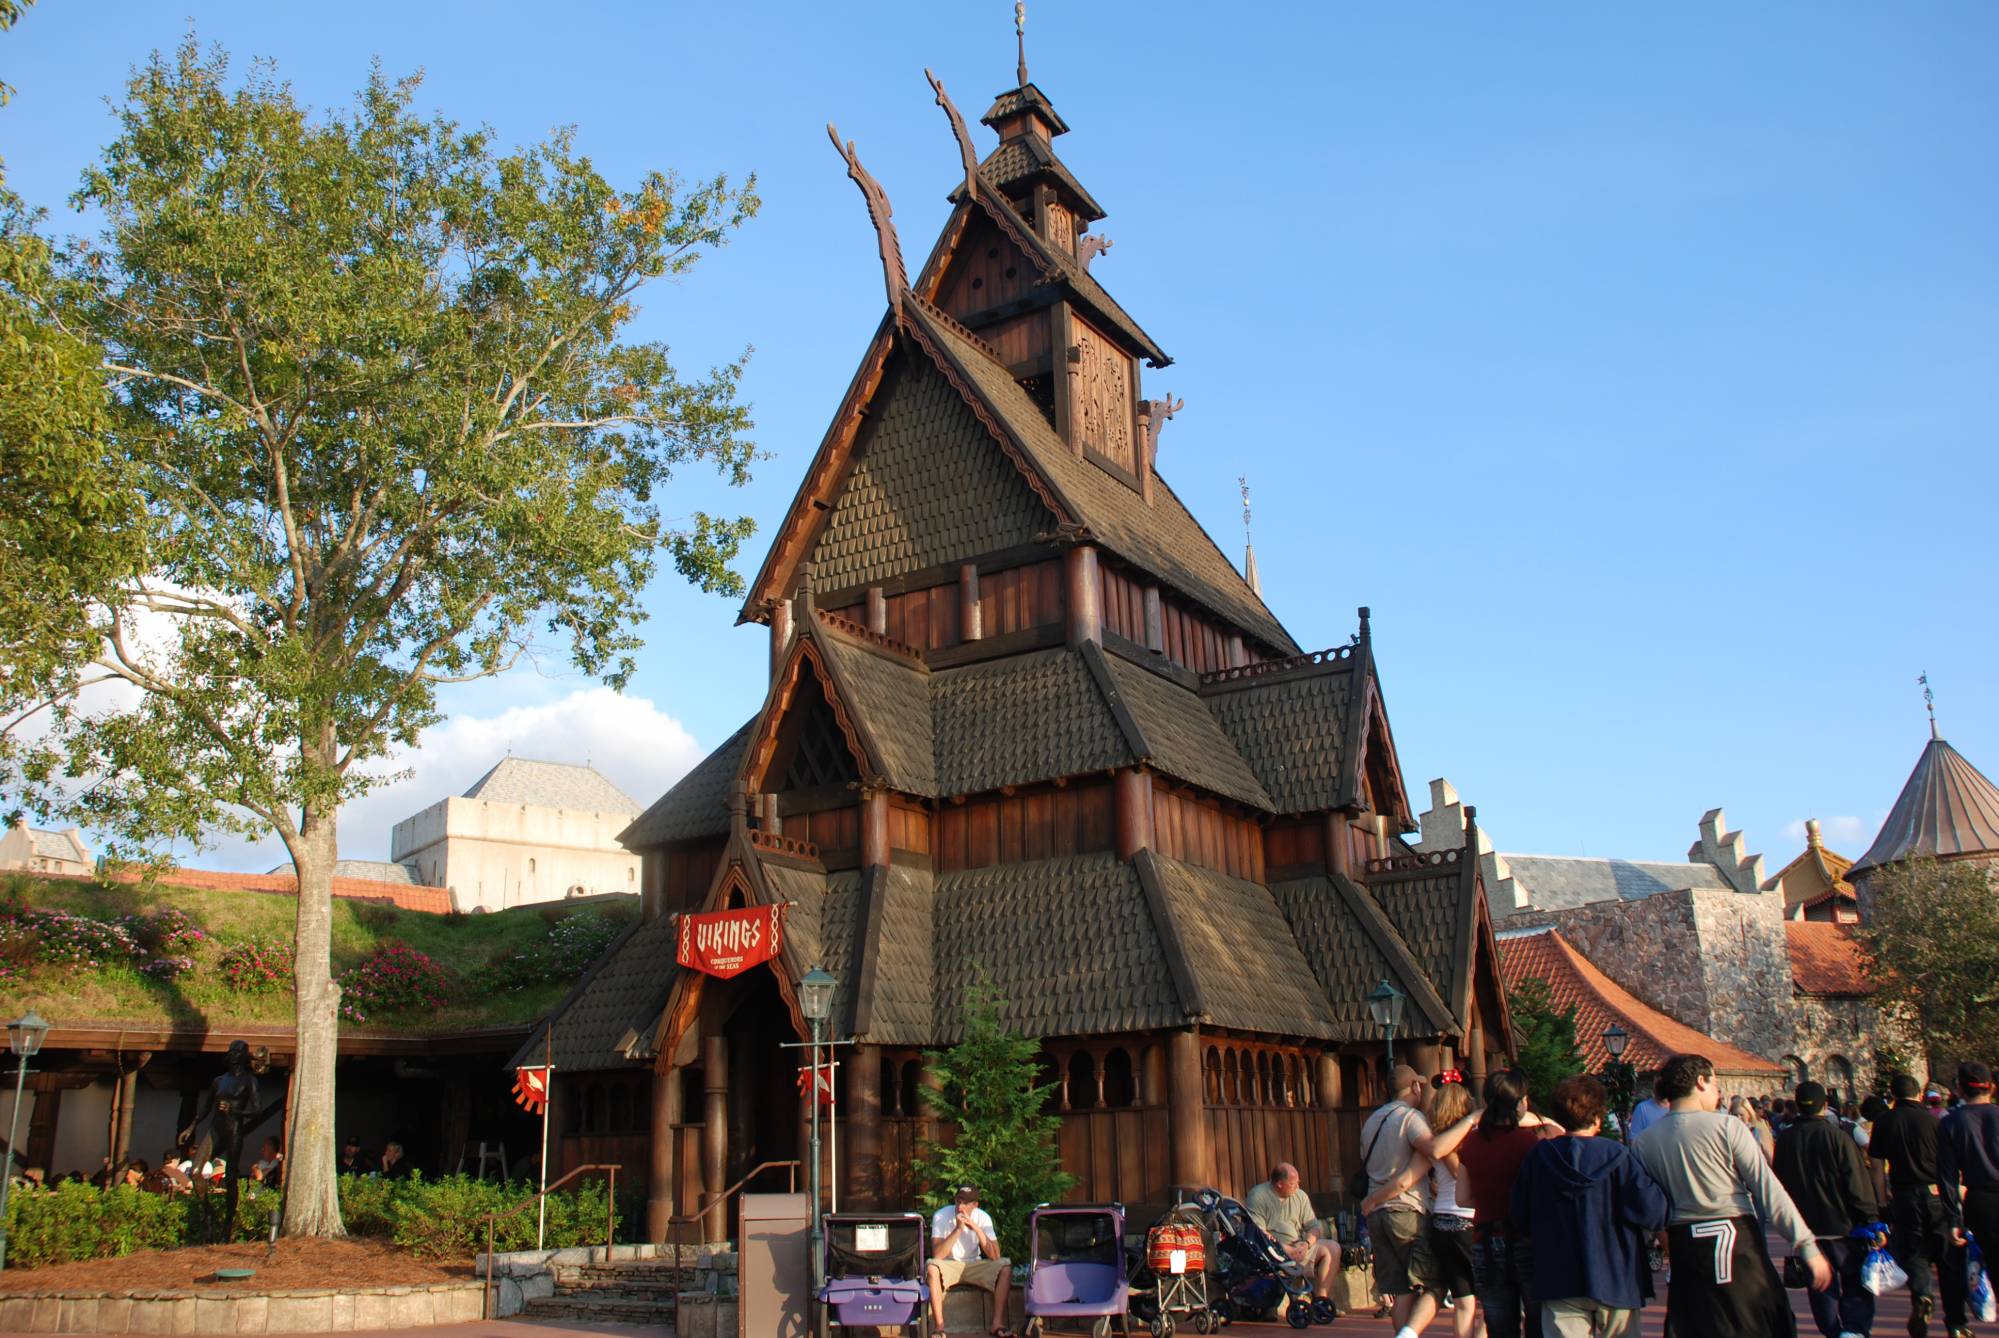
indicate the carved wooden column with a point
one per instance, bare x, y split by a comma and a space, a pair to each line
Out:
1339, 849
660, 1187
971, 623
1426, 1057
1326, 1080
1083, 590
1238, 657
1475, 1047
780, 634
714, 1138
1155, 621
1188, 1115
874, 828
861, 1135
1133, 800
877, 611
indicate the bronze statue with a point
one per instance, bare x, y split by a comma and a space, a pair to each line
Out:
228, 1111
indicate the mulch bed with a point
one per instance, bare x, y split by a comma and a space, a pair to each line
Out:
295, 1263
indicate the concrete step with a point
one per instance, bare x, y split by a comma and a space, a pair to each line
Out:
597, 1310
617, 1295
681, 1279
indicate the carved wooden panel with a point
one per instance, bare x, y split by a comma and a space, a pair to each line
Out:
1061, 227
1101, 382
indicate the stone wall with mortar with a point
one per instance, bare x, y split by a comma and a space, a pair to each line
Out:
223, 1309
1745, 958
1834, 1028
1643, 945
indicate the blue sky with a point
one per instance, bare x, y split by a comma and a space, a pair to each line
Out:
1638, 366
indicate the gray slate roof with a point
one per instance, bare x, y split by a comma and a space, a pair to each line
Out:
1349, 941
1181, 737
1291, 728
521, 780
889, 694
1020, 719
906, 506
1947, 808
1068, 942
1246, 964
374, 870
64, 845
1559, 882
698, 804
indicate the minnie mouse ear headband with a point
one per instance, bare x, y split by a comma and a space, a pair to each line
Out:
1448, 1076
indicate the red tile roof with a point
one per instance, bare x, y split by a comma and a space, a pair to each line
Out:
1826, 958
1599, 1001
409, 897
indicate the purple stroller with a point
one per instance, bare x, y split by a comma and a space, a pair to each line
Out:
874, 1273
1076, 1269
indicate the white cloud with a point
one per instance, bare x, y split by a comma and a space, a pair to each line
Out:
1840, 833
641, 748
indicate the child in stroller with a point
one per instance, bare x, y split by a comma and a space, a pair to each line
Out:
1252, 1273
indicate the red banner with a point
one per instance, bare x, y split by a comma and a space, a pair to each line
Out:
531, 1089
824, 1086
727, 943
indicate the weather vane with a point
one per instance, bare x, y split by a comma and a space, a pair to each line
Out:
1020, 36
1929, 700
1242, 482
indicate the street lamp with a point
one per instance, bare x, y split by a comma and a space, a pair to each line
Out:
1385, 1002
24, 1037
1622, 1080
815, 1000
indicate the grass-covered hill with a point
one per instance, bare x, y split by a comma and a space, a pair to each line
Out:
156, 954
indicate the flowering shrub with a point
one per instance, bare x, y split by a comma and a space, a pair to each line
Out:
562, 954
164, 932
256, 966
166, 968
63, 939
395, 978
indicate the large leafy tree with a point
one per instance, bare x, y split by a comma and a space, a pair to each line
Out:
367, 374
1932, 937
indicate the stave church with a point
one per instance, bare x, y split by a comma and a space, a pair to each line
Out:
1026, 726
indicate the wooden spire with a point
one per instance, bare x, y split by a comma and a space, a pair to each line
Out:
1020, 37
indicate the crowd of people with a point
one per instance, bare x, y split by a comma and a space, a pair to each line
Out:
1523, 1222
183, 1170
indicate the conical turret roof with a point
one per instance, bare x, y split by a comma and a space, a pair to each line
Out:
1947, 808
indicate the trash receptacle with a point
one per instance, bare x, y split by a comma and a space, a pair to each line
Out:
774, 1267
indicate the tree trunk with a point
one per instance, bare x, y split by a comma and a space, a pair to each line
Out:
312, 1197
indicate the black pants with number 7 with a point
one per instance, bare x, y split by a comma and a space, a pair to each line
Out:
1724, 1285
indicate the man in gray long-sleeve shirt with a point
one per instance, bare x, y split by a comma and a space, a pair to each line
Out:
1714, 1175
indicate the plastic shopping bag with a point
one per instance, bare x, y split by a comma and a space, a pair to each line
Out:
1978, 1285
1880, 1273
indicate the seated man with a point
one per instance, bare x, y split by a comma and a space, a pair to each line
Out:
965, 1251
1284, 1211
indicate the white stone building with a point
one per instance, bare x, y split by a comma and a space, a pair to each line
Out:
37, 851
527, 831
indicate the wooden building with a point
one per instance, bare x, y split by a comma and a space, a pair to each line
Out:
1027, 723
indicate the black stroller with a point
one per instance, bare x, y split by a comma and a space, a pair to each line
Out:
1251, 1273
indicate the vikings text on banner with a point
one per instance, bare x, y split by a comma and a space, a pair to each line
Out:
726, 943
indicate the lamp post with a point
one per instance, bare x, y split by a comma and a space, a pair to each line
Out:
815, 1000
1621, 1079
1384, 1003
24, 1038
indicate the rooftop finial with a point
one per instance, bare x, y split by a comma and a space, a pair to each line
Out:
1929, 701
894, 276
1249, 572
966, 152
1020, 36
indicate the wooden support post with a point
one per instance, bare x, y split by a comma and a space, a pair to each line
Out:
1188, 1116
1152, 1076
780, 634
771, 820
1238, 657
874, 828
861, 1134
660, 1196
1339, 846
122, 1101
1326, 1080
877, 611
1133, 796
714, 1138
652, 884
1426, 1057
971, 623
1084, 592
1155, 621
1475, 1052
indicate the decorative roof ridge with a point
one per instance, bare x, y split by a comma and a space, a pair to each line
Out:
1422, 862
1127, 723
1186, 985
877, 640
1333, 659
958, 328
1152, 661
774, 843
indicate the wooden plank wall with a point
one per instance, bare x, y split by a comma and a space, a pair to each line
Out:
831, 829
1020, 597
1189, 639
689, 870
1019, 339
1244, 1142
989, 270
1200, 831
1118, 1156
1039, 824
908, 828
1295, 849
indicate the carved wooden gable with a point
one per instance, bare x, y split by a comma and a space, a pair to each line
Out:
1100, 390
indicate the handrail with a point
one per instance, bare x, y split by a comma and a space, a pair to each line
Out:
610, 1222
791, 1186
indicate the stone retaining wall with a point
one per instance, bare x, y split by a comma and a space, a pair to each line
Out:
233, 1309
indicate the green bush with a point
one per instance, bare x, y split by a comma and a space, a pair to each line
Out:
77, 1221
445, 1219
368, 1204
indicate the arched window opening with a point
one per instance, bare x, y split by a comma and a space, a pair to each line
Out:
1800, 1071
1841, 1073
912, 1079
1263, 1088
1211, 1076
618, 1119
1120, 1089
1231, 1088
891, 1090
1082, 1081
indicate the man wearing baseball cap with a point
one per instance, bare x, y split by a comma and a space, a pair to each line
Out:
1968, 1161
964, 1251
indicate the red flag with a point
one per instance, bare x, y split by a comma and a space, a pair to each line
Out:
825, 1082
727, 943
531, 1089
